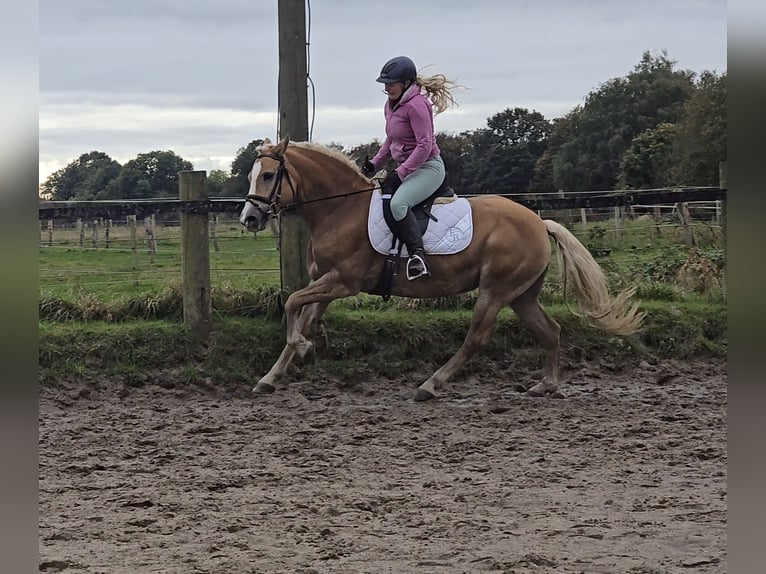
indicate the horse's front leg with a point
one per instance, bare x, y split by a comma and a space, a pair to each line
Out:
268, 381
324, 290
302, 309
308, 316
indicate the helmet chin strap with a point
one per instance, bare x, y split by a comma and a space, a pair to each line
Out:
407, 86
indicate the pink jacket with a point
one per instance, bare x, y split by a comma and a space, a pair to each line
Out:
410, 139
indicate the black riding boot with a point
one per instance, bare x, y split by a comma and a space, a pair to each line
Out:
408, 231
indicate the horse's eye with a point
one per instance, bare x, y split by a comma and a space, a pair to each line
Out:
268, 175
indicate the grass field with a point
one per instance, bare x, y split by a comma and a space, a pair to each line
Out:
244, 266
68, 270
117, 312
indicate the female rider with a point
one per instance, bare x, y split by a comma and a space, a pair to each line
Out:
411, 142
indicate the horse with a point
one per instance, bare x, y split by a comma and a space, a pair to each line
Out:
506, 260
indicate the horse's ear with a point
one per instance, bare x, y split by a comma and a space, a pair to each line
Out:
282, 146
266, 141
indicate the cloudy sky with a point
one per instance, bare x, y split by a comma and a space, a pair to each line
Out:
199, 77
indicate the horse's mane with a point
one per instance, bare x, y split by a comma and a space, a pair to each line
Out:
328, 151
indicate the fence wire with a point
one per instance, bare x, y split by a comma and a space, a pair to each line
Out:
113, 258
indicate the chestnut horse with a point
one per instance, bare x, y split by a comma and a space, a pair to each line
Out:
506, 260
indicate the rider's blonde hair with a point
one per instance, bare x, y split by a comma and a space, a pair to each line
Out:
439, 89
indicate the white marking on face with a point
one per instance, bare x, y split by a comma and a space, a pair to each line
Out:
251, 210
248, 211
256, 169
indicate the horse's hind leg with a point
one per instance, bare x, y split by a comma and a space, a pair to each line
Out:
308, 316
532, 315
483, 321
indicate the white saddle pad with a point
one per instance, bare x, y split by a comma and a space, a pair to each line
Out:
451, 234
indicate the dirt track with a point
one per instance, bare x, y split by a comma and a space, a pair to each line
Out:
623, 474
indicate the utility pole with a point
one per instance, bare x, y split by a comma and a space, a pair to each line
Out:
293, 121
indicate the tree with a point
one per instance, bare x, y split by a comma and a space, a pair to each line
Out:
238, 184
561, 131
701, 135
604, 127
153, 174
85, 178
646, 162
368, 150
507, 150
215, 183
457, 154
336, 146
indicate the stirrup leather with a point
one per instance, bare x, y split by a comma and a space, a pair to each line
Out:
416, 267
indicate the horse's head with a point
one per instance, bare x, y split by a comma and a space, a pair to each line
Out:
265, 177
291, 177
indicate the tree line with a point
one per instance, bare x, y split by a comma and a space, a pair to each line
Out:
655, 127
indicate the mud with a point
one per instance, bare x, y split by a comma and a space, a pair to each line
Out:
624, 472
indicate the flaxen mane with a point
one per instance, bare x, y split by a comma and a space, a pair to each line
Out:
328, 151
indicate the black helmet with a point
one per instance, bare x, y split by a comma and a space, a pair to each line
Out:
398, 69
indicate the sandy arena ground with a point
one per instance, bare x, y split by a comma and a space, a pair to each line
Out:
625, 472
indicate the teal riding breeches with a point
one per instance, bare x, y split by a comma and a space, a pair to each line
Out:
417, 187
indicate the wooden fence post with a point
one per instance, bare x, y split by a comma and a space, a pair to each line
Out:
133, 244
293, 121
151, 245
686, 221
155, 231
195, 256
94, 235
723, 183
107, 231
619, 224
214, 237
50, 232
81, 230
657, 219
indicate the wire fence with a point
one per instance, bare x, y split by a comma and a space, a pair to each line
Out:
83, 249
112, 258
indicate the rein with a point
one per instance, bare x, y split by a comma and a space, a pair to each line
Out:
274, 207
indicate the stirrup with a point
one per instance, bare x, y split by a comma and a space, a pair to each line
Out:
422, 268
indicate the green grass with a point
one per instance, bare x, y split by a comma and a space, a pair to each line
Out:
358, 343
117, 284
118, 272
114, 313
639, 258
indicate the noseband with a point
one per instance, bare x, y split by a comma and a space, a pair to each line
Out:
272, 201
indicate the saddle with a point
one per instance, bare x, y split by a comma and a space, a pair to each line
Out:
422, 211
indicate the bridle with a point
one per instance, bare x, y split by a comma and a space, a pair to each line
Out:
272, 201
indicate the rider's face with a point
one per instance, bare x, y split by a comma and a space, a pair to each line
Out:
394, 90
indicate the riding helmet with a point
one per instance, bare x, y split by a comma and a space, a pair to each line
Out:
398, 69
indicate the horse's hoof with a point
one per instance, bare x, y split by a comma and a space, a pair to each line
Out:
423, 395
539, 390
264, 388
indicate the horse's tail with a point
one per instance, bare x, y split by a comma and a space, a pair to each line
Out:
618, 315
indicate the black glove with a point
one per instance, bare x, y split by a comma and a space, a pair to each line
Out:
392, 182
368, 168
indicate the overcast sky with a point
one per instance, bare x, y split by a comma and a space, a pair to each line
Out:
199, 77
